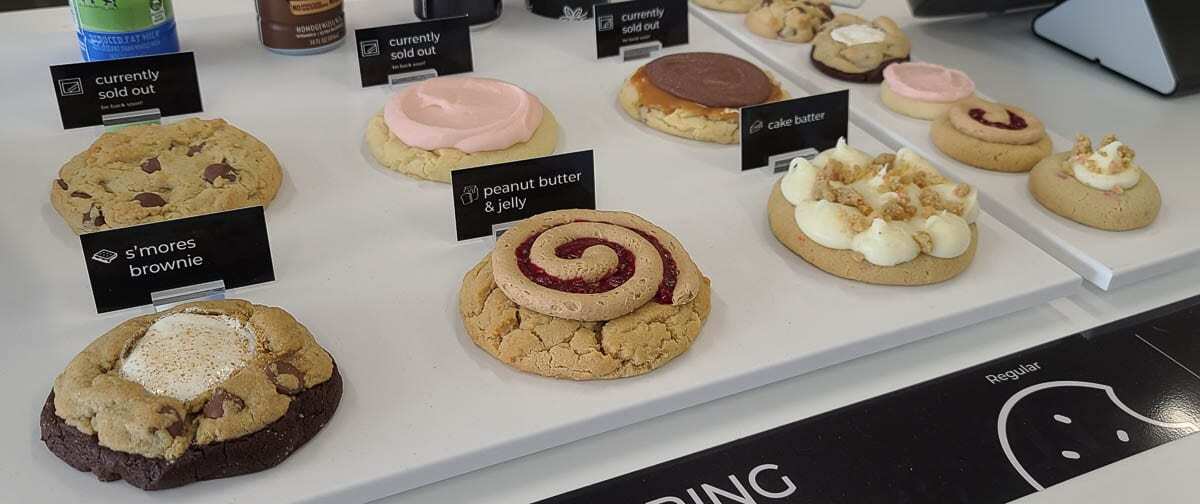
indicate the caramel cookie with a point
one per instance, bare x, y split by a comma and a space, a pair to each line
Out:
852, 49
789, 20
151, 173
204, 390
697, 95
584, 295
991, 136
1101, 188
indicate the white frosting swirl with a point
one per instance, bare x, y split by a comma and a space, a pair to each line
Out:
843, 153
858, 34
826, 223
1108, 178
184, 354
798, 184
886, 243
951, 235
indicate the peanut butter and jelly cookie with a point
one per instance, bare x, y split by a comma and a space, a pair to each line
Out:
992, 136
152, 173
585, 295
202, 391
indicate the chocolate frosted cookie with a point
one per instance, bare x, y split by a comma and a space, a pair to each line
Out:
202, 391
697, 95
852, 49
585, 295
151, 173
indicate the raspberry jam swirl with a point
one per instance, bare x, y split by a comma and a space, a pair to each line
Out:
1015, 122
591, 265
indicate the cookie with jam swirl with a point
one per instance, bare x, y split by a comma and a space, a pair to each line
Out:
584, 295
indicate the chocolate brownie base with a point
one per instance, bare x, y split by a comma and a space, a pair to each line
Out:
872, 76
308, 413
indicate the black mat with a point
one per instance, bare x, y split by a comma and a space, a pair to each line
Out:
987, 434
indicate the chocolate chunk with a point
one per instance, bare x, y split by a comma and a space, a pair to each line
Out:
151, 165
710, 79
81, 194
222, 170
287, 378
176, 428
215, 407
99, 220
195, 149
61, 184
149, 199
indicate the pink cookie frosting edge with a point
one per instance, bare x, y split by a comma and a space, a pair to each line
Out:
511, 117
953, 86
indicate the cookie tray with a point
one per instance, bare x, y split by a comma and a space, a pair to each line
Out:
1106, 259
367, 260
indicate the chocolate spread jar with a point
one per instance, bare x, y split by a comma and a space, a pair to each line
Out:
301, 26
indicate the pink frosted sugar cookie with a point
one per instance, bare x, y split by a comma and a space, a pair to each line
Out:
924, 90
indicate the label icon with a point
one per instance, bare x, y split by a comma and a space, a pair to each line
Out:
775, 133
126, 265
488, 197
657, 23
414, 51
87, 92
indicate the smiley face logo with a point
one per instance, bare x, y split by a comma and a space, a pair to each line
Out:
1054, 431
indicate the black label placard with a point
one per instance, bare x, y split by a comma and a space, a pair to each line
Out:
503, 193
801, 125
639, 21
987, 434
89, 91
438, 45
126, 265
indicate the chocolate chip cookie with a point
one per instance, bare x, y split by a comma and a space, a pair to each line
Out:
152, 173
202, 391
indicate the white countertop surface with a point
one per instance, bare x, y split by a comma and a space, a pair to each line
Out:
1074, 95
1067, 92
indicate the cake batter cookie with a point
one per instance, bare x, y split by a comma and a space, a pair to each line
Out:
151, 173
924, 90
789, 20
728, 5
890, 220
450, 123
1102, 188
202, 391
697, 95
585, 295
852, 49
992, 136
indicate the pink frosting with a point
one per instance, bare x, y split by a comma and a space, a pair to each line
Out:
928, 82
464, 113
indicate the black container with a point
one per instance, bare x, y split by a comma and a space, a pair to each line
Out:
479, 13
566, 10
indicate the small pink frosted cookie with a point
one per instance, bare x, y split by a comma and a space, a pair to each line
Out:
924, 90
